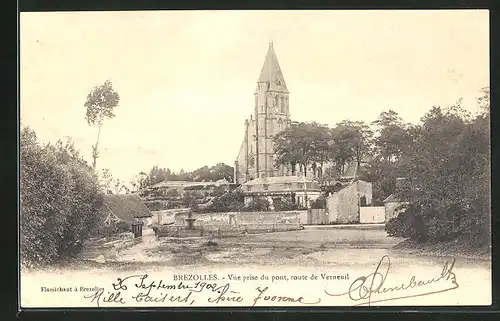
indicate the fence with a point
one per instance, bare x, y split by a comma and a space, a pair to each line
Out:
137, 228
372, 214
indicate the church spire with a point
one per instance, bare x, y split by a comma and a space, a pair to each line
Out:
271, 72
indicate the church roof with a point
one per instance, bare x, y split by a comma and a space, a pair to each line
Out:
271, 72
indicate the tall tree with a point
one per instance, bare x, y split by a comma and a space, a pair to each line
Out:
285, 154
321, 151
100, 104
448, 176
351, 142
392, 136
303, 144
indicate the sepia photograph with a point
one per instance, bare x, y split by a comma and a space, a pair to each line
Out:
234, 159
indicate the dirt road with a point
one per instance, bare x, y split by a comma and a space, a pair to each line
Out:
355, 251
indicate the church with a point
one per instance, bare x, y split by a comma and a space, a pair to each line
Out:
271, 115
255, 165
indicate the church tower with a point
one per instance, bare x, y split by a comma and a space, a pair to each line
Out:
271, 115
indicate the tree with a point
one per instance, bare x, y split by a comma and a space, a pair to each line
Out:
157, 175
302, 144
222, 171
351, 141
205, 173
111, 184
448, 181
483, 101
138, 182
284, 151
227, 202
392, 136
189, 199
100, 104
106, 180
60, 200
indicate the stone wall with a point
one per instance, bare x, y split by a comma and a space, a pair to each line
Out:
318, 216
166, 216
225, 229
392, 210
372, 214
238, 218
343, 206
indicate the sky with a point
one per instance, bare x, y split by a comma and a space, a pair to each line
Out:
186, 78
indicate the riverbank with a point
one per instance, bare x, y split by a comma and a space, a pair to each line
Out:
455, 248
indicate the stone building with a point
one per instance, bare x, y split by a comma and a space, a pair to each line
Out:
299, 188
393, 207
270, 116
343, 206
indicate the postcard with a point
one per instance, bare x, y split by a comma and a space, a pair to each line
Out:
179, 159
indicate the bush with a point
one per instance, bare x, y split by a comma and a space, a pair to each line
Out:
59, 200
227, 202
285, 204
258, 204
319, 203
398, 227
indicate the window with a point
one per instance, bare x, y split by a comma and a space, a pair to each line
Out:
266, 187
301, 185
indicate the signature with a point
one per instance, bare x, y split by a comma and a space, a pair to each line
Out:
279, 298
110, 297
364, 287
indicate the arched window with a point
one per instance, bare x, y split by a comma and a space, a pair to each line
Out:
282, 105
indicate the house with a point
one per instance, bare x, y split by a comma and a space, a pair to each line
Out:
127, 208
344, 204
170, 193
393, 207
300, 189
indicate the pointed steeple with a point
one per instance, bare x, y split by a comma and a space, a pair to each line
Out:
271, 72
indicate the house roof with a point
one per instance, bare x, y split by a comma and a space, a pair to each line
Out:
126, 206
271, 72
167, 184
278, 180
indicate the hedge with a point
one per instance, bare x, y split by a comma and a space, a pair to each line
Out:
60, 201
